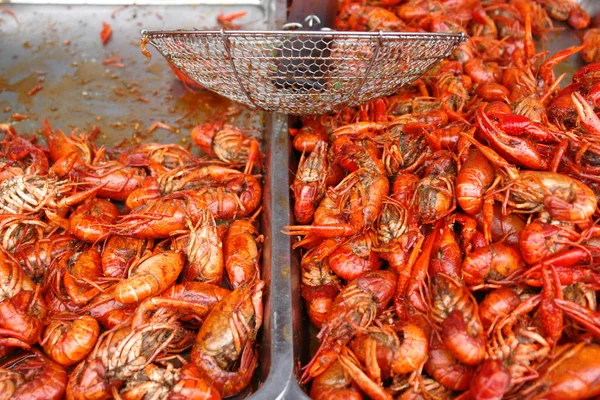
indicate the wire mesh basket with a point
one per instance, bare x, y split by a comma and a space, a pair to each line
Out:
302, 73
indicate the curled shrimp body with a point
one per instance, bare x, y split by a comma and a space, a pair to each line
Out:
157, 382
473, 179
68, 342
355, 257
241, 252
392, 356
461, 328
320, 285
81, 269
309, 184
540, 240
32, 376
150, 277
494, 262
158, 218
21, 307
204, 251
355, 306
226, 142
90, 221
564, 198
228, 360
445, 368
334, 384
119, 253
497, 304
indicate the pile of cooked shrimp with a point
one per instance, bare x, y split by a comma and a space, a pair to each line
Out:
129, 272
449, 234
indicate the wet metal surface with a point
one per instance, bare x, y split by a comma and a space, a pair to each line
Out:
58, 47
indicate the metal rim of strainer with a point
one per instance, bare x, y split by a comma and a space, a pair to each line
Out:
276, 98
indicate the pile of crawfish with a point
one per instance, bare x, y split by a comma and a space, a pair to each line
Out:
449, 233
129, 272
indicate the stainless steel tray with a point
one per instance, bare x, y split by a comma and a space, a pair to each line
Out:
58, 46
304, 341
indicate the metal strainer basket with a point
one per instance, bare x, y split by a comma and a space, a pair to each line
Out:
302, 72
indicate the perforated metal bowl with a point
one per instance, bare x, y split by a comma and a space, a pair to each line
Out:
301, 73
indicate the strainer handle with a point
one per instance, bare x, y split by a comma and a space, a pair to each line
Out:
301, 12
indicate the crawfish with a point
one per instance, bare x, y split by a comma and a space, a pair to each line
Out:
583, 295
35, 257
32, 376
396, 234
320, 285
567, 10
494, 262
229, 193
68, 340
571, 373
404, 187
120, 252
334, 383
503, 138
122, 351
241, 251
356, 17
515, 347
116, 181
425, 388
385, 356
19, 230
564, 198
227, 143
434, 197
475, 176
505, 228
21, 308
444, 367
80, 270
30, 158
204, 250
452, 89
309, 184
150, 276
158, 158
497, 304
457, 313
60, 146
404, 152
350, 207
312, 132
352, 366
540, 240
228, 360
167, 382
160, 217
355, 256
354, 307
90, 221
32, 194
591, 44
119, 354
9, 340
454, 307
